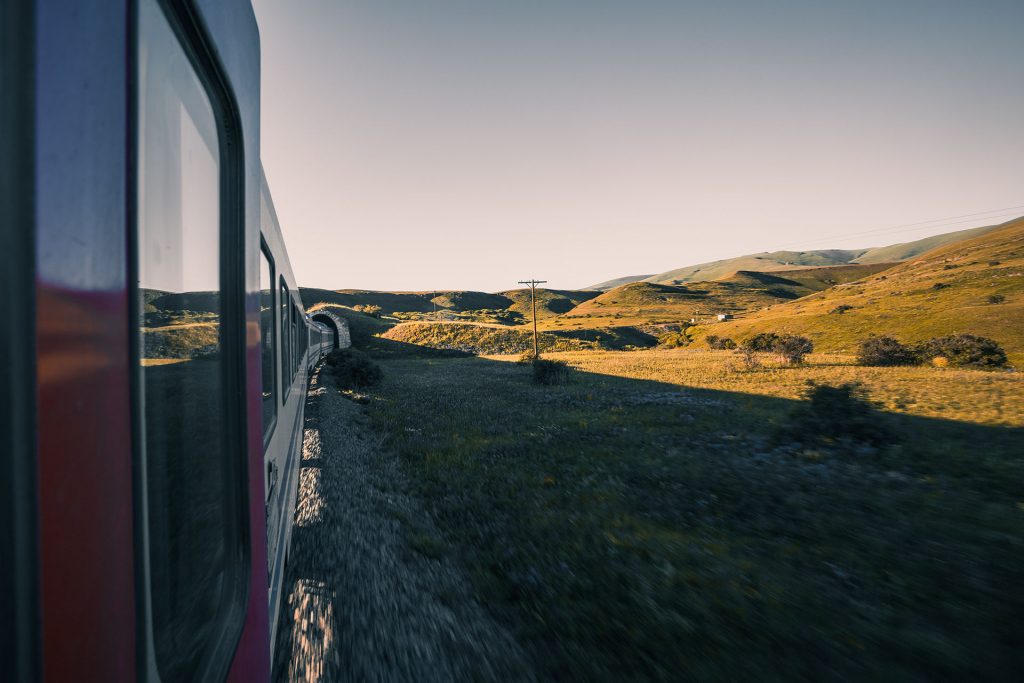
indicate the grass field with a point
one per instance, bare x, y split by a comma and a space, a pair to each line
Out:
641, 523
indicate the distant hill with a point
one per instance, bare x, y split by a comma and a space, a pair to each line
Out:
971, 286
550, 302
906, 250
657, 303
767, 262
618, 282
516, 302
419, 302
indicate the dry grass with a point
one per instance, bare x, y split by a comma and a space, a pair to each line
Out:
980, 397
640, 522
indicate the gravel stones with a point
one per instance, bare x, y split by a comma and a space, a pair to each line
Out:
363, 600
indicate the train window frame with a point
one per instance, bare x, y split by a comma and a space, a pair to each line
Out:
20, 605
270, 425
192, 39
285, 347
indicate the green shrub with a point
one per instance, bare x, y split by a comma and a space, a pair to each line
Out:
368, 309
763, 341
550, 372
673, 340
840, 309
835, 416
885, 351
964, 350
716, 342
353, 369
793, 348
995, 298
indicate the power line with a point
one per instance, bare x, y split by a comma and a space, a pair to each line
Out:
922, 225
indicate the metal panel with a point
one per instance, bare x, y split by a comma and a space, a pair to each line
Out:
85, 463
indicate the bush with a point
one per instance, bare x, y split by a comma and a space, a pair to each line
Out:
368, 309
835, 416
353, 369
793, 348
550, 372
885, 351
763, 341
964, 351
716, 342
996, 298
673, 340
749, 359
840, 309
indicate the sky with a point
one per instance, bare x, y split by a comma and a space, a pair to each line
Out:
469, 144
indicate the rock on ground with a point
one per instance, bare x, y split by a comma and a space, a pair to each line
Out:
362, 601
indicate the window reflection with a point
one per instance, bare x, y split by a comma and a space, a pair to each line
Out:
192, 540
267, 337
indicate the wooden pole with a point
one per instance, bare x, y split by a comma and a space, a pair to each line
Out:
533, 300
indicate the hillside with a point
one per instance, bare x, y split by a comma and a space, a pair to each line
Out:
973, 286
740, 292
767, 262
477, 339
618, 282
906, 250
420, 302
514, 303
550, 302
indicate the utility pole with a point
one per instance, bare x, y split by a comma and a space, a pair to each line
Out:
533, 298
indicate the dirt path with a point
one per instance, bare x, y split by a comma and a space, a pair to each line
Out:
366, 599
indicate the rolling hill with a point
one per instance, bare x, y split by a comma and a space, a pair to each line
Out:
618, 282
653, 303
392, 302
973, 286
788, 260
550, 302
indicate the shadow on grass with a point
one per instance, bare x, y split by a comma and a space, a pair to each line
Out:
635, 529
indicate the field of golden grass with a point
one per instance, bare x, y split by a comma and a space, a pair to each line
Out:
660, 515
977, 396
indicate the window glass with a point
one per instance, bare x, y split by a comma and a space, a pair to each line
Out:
285, 325
195, 540
267, 339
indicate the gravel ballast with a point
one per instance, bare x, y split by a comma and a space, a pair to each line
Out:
369, 593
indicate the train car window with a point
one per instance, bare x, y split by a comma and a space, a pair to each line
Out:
296, 316
268, 345
194, 505
286, 358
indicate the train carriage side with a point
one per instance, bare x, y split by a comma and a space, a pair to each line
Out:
285, 372
138, 201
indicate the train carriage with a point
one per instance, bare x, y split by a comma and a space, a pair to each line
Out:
157, 347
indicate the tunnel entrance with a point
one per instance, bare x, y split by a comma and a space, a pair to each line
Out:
338, 326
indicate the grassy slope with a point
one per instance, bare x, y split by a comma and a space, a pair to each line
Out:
637, 523
476, 338
550, 302
392, 302
642, 303
904, 302
906, 250
618, 282
765, 262
786, 260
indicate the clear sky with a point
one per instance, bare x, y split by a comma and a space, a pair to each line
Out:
468, 144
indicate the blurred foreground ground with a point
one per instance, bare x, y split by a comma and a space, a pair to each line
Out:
643, 522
